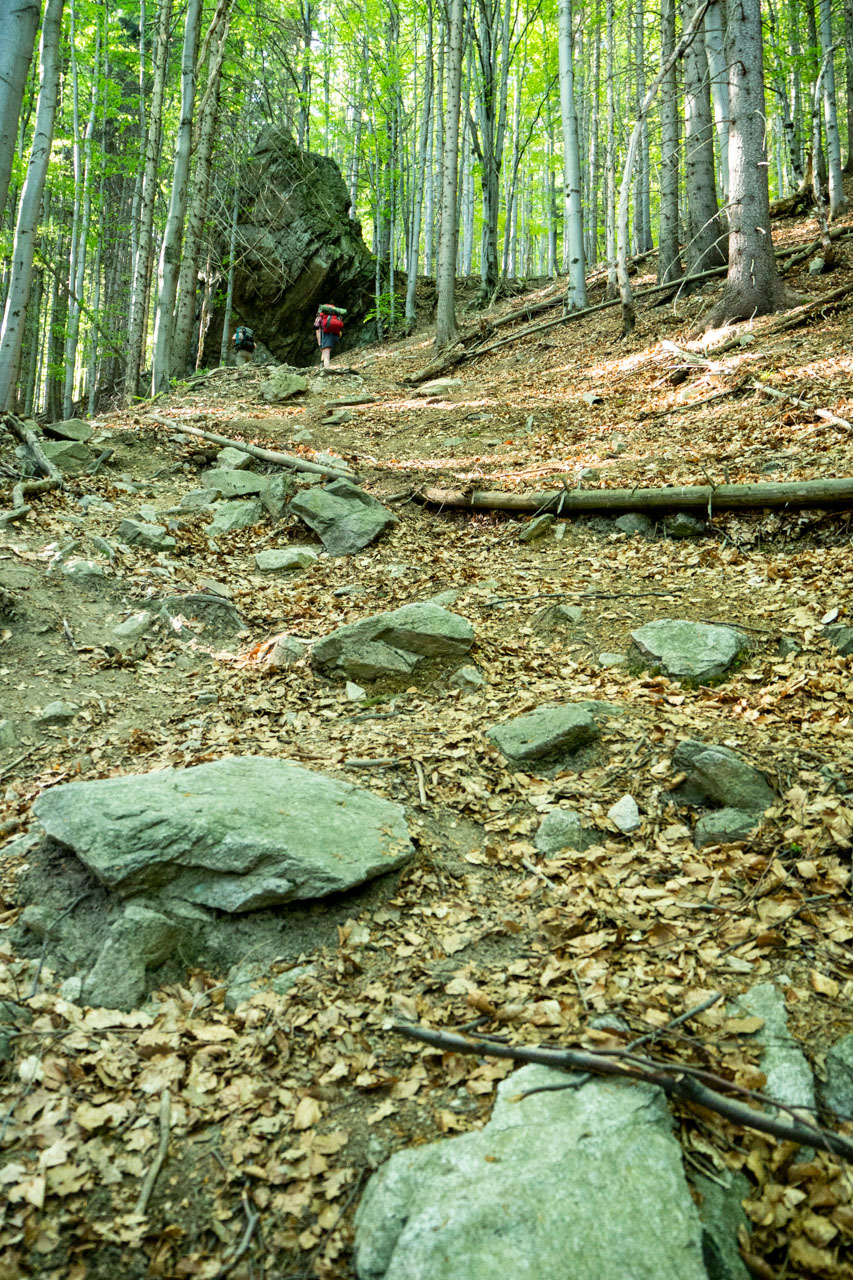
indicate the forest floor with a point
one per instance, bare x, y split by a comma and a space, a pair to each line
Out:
281, 1109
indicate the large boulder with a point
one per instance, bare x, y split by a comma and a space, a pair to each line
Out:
298, 247
393, 644
581, 1184
237, 834
343, 516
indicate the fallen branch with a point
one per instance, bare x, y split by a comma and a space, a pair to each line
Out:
28, 438
677, 1080
826, 414
836, 493
252, 1220
265, 455
153, 1173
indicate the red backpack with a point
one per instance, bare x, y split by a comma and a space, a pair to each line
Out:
330, 323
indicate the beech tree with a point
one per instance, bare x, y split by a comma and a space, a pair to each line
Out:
19, 20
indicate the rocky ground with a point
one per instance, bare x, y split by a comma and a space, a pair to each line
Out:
581, 891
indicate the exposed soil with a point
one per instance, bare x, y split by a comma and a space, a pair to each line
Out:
282, 1108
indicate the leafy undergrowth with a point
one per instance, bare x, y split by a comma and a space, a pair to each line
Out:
278, 1112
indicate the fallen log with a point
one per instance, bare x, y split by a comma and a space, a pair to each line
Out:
826, 414
834, 494
265, 455
28, 438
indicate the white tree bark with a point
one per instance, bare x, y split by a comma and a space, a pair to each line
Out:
610, 160
19, 21
420, 178
715, 49
170, 250
576, 293
445, 317
26, 226
837, 199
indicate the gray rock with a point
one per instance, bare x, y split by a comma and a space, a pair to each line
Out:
277, 493
721, 776
563, 829
635, 522
247, 979
235, 459
837, 1093
789, 1076
392, 644
438, 387
83, 570
70, 456
724, 826
625, 814
8, 737
218, 616
537, 528
344, 517
57, 713
14, 1018
151, 537
817, 266
286, 651
689, 650
233, 484
559, 616
546, 735
788, 647
141, 939
69, 429
102, 546
842, 638
580, 1184
127, 633
285, 559
237, 834
72, 988
468, 679
444, 599
94, 501
231, 516
198, 499
282, 385
608, 660
721, 1214
681, 524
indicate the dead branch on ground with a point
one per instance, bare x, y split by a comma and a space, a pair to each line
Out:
265, 455
826, 414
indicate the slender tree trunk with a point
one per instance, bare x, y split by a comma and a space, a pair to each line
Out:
225, 348
19, 20
594, 148
837, 199
715, 49
753, 285
642, 196
445, 318
26, 226
573, 231
782, 96
81, 220
610, 161
141, 273
848, 81
170, 249
420, 178
705, 244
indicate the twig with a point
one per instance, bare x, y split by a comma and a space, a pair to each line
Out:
537, 871
13, 764
826, 414
252, 1220
675, 1080
419, 772
159, 1159
369, 762
588, 595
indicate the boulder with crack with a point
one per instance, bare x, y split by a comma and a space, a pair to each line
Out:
393, 644
238, 834
343, 516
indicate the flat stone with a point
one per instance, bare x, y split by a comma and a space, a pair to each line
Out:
71, 456
545, 735
559, 616
142, 939
343, 516
285, 559
842, 638
233, 484
468, 679
788, 647
235, 459
625, 814
438, 387
537, 528
607, 660
563, 829
230, 516
58, 712
83, 570
354, 692
392, 644
721, 776
150, 537
282, 384
286, 651
217, 616
69, 429
198, 499
580, 1184
8, 737
634, 522
689, 650
681, 524
789, 1076
724, 826
127, 633
837, 1093
237, 834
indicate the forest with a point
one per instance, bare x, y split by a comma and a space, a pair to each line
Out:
499, 139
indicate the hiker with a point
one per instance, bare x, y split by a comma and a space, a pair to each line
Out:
328, 325
244, 345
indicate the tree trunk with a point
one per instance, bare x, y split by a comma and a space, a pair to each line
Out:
573, 231
445, 318
753, 286
26, 226
715, 49
610, 162
848, 81
705, 246
669, 253
170, 249
19, 21
225, 347
80, 225
140, 269
837, 199
419, 183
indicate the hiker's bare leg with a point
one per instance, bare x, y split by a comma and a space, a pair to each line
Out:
326, 356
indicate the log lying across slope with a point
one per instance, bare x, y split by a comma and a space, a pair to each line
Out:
836, 494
